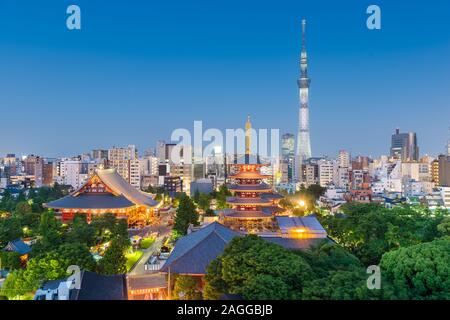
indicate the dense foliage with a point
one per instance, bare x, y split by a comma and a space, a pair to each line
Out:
186, 214
370, 230
420, 271
256, 269
186, 288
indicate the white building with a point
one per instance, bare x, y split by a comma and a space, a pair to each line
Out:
70, 172
344, 159
327, 170
127, 164
445, 194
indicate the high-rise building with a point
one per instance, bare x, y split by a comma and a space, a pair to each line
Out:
327, 170
99, 154
126, 162
344, 159
404, 146
441, 171
303, 139
70, 172
288, 156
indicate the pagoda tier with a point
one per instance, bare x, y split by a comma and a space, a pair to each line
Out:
257, 187
250, 210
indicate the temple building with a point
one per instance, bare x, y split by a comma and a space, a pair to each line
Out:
107, 192
254, 204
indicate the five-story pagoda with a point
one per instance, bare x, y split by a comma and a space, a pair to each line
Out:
250, 211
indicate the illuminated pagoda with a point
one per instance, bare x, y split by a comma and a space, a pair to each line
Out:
107, 192
254, 204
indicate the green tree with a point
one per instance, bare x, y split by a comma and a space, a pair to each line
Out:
81, 231
186, 215
9, 260
316, 191
22, 208
114, 260
369, 230
419, 271
204, 201
444, 227
10, 229
221, 197
48, 266
253, 268
186, 288
196, 197
50, 234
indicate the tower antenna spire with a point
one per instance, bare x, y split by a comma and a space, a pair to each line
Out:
303, 34
303, 139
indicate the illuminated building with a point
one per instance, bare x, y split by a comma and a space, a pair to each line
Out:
251, 211
303, 138
107, 192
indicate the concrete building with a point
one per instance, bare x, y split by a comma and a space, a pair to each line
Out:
441, 171
126, 162
404, 146
288, 156
70, 172
327, 170
344, 159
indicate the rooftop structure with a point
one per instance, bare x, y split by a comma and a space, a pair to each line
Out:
93, 287
107, 192
193, 252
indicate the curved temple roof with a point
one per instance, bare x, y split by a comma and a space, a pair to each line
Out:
119, 185
124, 196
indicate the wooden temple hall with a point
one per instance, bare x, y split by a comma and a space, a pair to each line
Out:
107, 192
254, 204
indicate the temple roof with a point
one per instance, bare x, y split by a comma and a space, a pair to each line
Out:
124, 195
112, 179
309, 223
272, 196
249, 175
247, 214
91, 201
272, 209
249, 201
260, 187
193, 252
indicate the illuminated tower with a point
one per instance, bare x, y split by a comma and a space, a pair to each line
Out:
303, 140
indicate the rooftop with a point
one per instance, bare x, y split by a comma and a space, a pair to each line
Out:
193, 252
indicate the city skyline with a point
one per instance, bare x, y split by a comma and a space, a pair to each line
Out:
147, 69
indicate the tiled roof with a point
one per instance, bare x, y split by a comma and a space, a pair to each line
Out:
18, 246
271, 196
193, 252
115, 181
309, 222
91, 201
247, 214
125, 195
239, 200
251, 187
100, 287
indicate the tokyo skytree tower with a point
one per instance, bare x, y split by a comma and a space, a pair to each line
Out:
303, 140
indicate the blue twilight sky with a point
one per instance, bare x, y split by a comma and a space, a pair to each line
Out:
139, 69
